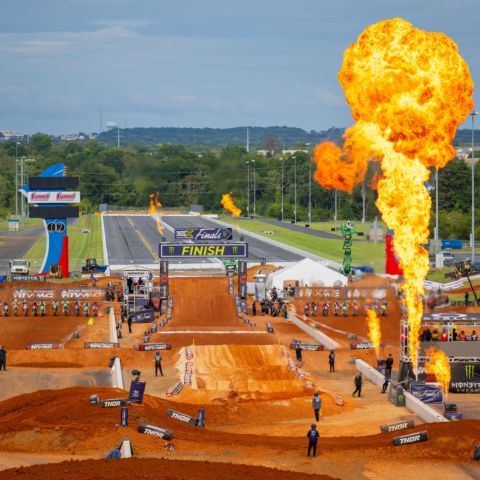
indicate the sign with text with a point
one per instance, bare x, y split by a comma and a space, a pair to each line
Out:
465, 377
152, 346
53, 197
204, 234
213, 250
43, 346
142, 316
101, 345
427, 393
305, 346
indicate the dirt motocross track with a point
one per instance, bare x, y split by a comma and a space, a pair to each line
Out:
257, 411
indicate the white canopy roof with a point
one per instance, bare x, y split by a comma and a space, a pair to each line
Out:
307, 272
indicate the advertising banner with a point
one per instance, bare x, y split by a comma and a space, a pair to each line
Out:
27, 278
143, 316
242, 279
427, 393
152, 346
101, 345
465, 377
53, 197
43, 346
204, 234
155, 431
411, 438
305, 346
80, 293
182, 417
137, 390
163, 281
32, 294
213, 250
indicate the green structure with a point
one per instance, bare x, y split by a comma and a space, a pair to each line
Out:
347, 230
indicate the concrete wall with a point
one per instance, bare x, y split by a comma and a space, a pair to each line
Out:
320, 337
112, 326
117, 374
424, 411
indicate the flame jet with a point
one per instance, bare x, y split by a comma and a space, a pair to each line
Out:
229, 205
374, 332
440, 367
409, 90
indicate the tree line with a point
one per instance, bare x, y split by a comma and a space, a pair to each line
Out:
183, 176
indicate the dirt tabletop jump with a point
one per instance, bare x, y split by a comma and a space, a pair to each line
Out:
256, 397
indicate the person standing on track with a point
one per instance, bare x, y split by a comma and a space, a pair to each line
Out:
3, 358
358, 385
316, 405
331, 360
298, 352
158, 363
129, 323
312, 436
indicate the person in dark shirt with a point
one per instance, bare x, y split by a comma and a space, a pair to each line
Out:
3, 359
312, 436
331, 360
358, 385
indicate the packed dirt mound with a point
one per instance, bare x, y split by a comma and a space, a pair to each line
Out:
17, 332
244, 368
136, 468
202, 302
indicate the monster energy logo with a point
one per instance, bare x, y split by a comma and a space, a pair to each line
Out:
469, 371
235, 250
171, 250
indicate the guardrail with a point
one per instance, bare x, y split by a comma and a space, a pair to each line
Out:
425, 412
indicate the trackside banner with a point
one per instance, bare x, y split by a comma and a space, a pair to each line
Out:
204, 234
43, 346
53, 197
213, 250
152, 346
101, 345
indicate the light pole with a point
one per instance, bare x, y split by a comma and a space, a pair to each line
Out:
248, 188
282, 189
16, 180
23, 160
310, 192
363, 202
335, 214
437, 250
295, 189
111, 126
473, 114
254, 192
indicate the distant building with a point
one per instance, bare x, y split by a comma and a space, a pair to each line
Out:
8, 135
270, 153
465, 153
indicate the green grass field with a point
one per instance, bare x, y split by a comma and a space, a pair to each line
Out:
29, 222
364, 252
80, 245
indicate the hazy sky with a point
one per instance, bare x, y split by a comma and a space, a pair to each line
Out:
217, 63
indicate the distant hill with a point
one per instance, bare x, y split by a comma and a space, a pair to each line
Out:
288, 137
219, 137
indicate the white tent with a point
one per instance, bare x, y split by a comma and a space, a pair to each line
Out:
307, 272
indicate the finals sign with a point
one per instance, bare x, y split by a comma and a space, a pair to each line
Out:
211, 250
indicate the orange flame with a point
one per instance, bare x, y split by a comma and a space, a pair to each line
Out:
229, 205
374, 333
154, 203
439, 366
409, 90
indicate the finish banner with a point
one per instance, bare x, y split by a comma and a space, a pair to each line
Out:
427, 393
204, 234
213, 250
142, 316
